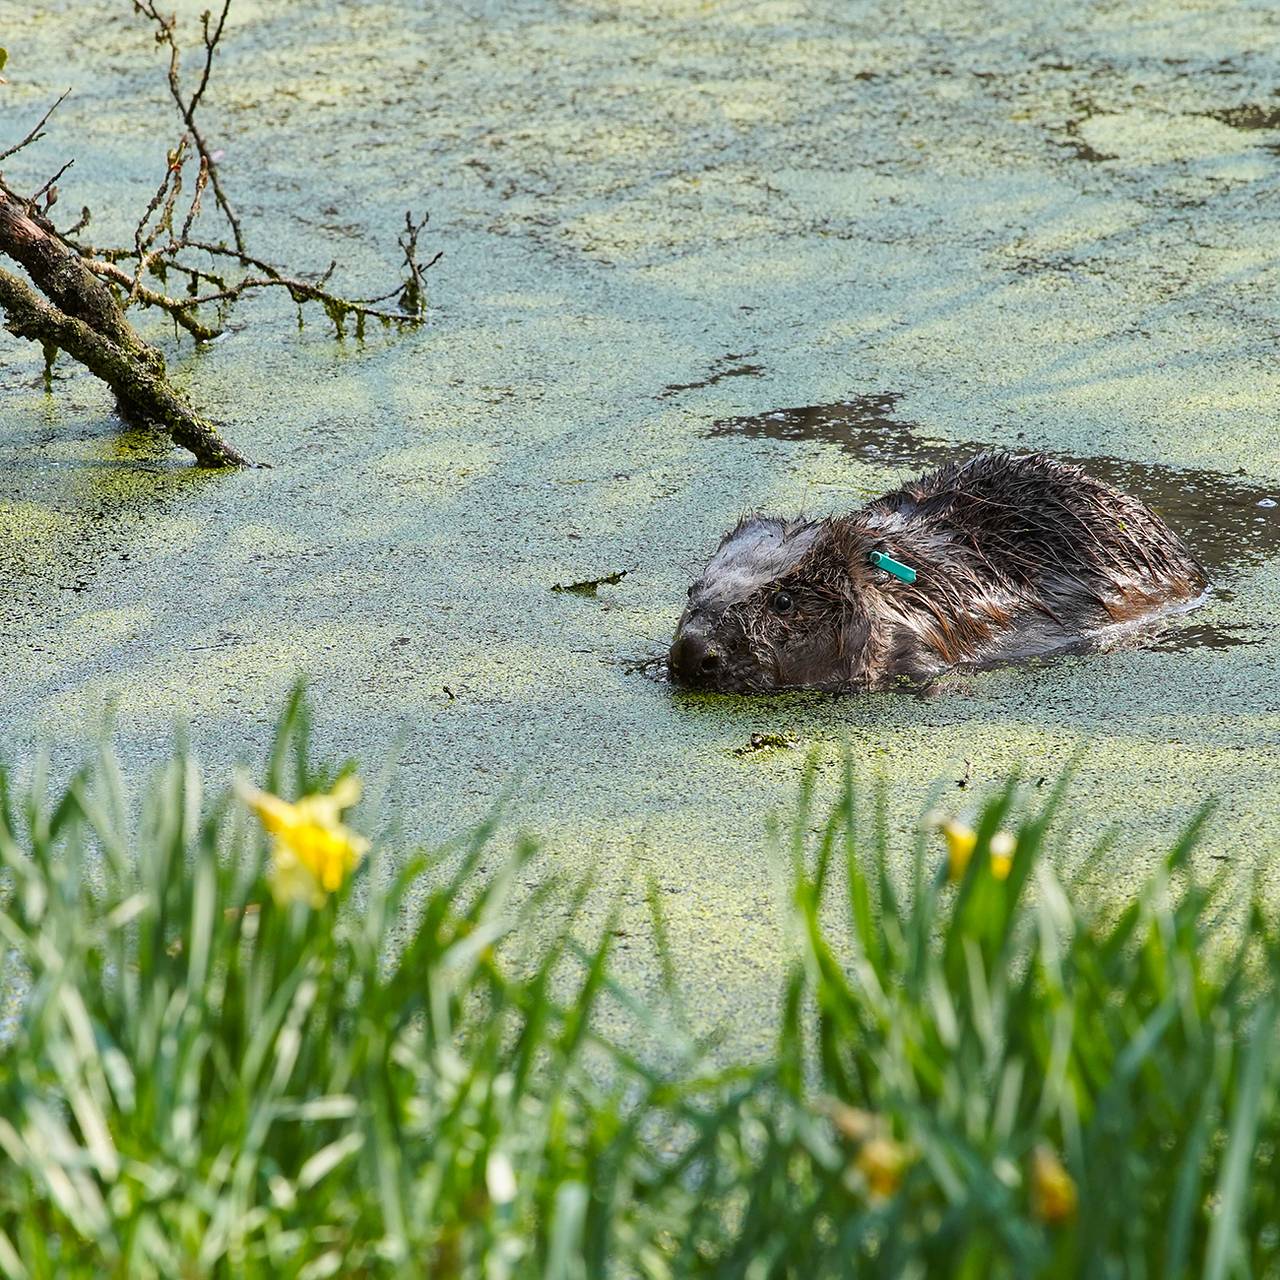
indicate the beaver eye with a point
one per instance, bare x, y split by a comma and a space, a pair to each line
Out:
782, 602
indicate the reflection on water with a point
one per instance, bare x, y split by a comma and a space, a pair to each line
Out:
1227, 521
1205, 635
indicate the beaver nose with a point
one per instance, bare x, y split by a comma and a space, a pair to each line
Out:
693, 657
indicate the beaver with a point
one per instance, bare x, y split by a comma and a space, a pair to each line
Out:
1012, 556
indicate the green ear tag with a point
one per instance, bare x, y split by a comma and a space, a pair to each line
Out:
901, 571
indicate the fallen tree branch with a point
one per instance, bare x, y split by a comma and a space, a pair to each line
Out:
82, 319
149, 297
146, 391
89, 289
27, 238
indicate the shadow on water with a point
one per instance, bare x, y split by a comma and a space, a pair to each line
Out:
1249, 116
1228, 522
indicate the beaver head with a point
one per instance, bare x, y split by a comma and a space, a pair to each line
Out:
780, 605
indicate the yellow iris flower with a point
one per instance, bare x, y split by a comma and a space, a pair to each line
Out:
880, 1160
312, 850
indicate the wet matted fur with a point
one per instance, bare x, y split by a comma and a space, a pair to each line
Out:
1014, 556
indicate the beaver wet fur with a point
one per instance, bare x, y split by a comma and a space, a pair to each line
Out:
1014, 556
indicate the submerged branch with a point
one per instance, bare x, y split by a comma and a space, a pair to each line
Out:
144, 390
79, 315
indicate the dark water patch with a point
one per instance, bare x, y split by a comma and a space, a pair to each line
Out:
1069, 137
1226, 520
731, 366
590, 586
866, 425
759, 742
1081, 150
1072, 142
652, 666
1062, 264
1205, 635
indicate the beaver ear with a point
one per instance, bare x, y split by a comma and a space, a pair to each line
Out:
857, 578
852, 545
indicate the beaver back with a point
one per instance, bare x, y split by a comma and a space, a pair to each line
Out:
1014, 555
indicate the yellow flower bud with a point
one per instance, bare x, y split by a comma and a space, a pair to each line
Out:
960, 842
882, 1162
1003, 843
1053, 1192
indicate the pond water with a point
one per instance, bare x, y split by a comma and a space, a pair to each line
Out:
660, 223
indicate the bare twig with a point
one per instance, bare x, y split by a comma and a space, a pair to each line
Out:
36, 133
80, 223
413, 297
305, 290
49, 187
158, 248
193, 211
166, 33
